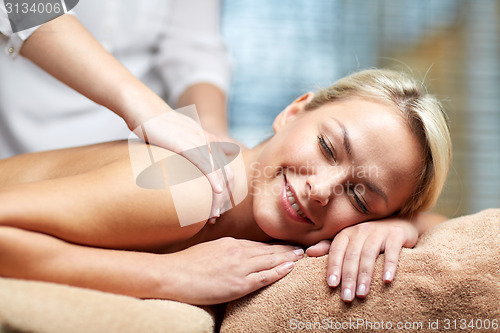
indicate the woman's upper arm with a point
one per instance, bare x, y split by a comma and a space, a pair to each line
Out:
104, 207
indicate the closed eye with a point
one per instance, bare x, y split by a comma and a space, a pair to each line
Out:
359, 202
325, 148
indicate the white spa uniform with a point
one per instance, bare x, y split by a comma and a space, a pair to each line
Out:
167, 44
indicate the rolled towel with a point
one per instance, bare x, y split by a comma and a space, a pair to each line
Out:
449, 282
40, 307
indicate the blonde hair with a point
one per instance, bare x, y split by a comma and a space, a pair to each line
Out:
423, 113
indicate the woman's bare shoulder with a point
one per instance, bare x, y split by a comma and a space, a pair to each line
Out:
32, 167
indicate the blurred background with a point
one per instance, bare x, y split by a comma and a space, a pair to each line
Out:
282, 49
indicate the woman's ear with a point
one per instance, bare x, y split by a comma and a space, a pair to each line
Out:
291, 111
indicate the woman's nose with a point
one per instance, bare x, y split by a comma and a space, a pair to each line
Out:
322, 186
318, 194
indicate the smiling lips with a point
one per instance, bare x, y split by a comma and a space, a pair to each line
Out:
293, 202
291, 205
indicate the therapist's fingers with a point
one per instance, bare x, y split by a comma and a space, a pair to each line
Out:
224, 153
221, 202
200, 156
192, 142
183, 135
213, 162
224, 150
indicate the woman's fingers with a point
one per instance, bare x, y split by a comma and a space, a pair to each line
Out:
264, 278
259, 248
350, 267
269, 263
319, 249
369, 254
272, 260
392, 250
227, 268
355, 249
336, 259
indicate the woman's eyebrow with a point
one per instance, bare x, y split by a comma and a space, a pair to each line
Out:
348, 149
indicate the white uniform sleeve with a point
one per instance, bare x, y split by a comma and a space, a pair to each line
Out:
192, 50
9, 41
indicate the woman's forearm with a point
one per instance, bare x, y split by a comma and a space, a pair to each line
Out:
208, 273
66, 50
35, 256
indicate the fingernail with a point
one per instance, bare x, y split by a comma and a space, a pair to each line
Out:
387, 276
299, 252
288, 265
332, 280
217, 212
361, 289
347, 294
211, 220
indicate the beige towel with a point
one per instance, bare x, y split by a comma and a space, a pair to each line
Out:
450, 282
38, 307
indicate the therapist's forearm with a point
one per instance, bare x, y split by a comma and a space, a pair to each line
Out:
210, 104
67, 51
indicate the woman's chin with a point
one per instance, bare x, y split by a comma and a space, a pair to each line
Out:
270, 226
286, 235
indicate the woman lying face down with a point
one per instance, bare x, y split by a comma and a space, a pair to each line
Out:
371, 146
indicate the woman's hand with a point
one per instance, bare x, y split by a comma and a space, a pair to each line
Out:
223, 270
353, 252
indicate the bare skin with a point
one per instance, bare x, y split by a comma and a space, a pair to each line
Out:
67, 51
51, 185
48, 233
64, 215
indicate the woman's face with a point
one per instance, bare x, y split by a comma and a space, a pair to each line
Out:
326, 169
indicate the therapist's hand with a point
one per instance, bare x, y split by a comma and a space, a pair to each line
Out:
181, 134
67, 51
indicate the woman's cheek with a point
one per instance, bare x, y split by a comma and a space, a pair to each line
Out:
255, 189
